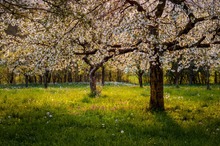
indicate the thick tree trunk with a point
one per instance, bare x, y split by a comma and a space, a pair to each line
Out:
156, 76
156, 87
103, 75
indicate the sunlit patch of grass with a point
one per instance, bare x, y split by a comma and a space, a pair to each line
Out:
66, 115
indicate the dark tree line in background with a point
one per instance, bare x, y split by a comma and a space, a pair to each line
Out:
189, 76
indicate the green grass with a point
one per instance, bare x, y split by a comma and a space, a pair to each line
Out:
65, 115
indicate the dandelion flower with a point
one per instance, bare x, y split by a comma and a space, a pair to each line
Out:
122, 131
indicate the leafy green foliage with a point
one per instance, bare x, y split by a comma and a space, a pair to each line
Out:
65, 115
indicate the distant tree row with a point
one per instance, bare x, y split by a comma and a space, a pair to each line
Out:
189, 76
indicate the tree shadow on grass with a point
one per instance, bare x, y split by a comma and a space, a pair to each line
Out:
43, 125
187, 131
48, 125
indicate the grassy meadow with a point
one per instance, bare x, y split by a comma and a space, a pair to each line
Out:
66, 115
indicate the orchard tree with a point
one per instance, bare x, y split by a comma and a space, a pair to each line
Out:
135, 62
174, 25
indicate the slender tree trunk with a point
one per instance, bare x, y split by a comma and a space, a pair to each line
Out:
76, 73
70, 78
11, 80
103, 75
181, 79
156, 86
118, 75
54, 77
35, 79
110, 75
26, 80
46, 75
207, 79
80, 78
177, 79
92, 81
49, 77
65, 75
140, 78
40, 79
30, 80
199, 78
191, 76
216, 78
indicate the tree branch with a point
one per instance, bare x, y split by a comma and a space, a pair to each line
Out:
86, 52
160, 8
134, 3
178, 47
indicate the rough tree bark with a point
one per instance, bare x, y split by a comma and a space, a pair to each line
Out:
156, 86
92, 80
